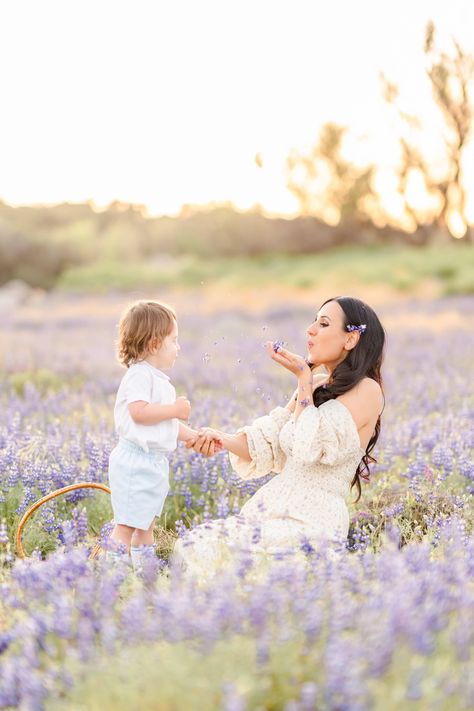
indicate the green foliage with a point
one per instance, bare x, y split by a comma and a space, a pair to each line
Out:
38, 263
413, 519
450, 268
43, 380
170, 677
35, 537
103, 276
74, 246
8, 508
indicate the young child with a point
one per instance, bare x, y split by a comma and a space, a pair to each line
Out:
147, 414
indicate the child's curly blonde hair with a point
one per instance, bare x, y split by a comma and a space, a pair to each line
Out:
140, 323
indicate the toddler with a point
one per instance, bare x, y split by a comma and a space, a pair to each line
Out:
146, 414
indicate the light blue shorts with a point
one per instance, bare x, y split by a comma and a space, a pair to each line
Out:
139, 484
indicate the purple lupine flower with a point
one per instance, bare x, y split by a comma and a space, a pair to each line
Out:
425, 458
3, 533
308, 696
231, 698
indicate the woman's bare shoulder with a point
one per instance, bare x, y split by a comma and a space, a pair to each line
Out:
365, 400
368, 388
371, 385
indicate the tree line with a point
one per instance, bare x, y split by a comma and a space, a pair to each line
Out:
338, 202
328, 185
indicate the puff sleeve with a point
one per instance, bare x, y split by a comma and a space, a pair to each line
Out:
138, 385
326, 434
264, 446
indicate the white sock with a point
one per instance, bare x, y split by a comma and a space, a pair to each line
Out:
137, 553
117, 556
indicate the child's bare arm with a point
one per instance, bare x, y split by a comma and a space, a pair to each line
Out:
186, 433
189, 436
208, 441
147, 413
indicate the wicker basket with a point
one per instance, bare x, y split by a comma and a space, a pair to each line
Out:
72, 487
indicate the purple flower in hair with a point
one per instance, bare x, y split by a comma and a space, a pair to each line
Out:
360, 328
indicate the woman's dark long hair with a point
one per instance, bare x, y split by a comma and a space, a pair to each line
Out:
363, 361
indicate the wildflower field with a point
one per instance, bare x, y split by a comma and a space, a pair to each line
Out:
388, 625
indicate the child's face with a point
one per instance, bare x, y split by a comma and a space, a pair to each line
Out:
166, 352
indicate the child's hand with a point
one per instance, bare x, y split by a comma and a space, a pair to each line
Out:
183, 408
207, 442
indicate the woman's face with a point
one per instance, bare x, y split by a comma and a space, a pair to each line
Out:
328, 341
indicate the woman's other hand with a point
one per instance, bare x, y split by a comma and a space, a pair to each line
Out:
296, 364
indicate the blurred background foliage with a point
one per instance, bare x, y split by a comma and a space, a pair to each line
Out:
74, 247
342, 218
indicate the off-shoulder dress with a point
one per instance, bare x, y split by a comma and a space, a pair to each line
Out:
314, 461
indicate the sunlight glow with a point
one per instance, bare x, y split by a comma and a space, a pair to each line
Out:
168, 104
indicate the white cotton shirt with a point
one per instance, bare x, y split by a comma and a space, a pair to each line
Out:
144, 382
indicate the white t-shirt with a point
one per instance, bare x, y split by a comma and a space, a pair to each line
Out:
144, 382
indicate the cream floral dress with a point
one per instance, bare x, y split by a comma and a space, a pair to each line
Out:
314, 461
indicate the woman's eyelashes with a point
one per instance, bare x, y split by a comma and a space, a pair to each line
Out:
316, 324
321, 323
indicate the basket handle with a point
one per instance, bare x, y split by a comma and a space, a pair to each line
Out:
48, 497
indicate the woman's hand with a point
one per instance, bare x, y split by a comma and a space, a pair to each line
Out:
291, 361
207, 442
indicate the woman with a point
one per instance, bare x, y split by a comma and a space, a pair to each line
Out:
319, 445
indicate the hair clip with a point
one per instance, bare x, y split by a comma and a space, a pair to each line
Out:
360, 328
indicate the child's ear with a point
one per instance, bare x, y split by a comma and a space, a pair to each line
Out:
154, 345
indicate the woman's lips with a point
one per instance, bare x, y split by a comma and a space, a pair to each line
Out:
310, 344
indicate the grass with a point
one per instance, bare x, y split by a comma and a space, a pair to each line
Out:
44, 381
450, 268
170, 676
35, 537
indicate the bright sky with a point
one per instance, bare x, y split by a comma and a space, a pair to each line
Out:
166, 103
